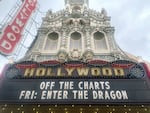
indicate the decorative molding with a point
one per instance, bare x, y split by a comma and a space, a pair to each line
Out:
85, 21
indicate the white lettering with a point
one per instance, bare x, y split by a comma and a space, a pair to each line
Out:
15, 29
32, 2
98, 95
94, 95
54, 95
80, 94
47, 85
27, 95
112, 94
22, 16
107, 95
27, 6
22, 94
80, 85
6, 45
24, 10
11, 36
94, 85
118, 95
43, 97
107, 85
66, 85
19, 22
124, 94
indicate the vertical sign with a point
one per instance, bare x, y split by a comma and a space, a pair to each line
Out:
11, 35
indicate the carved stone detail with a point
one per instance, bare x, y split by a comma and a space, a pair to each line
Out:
75, 54
76, 18
62, 55
88, 55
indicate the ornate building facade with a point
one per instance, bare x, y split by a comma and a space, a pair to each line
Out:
76, 33
74, 65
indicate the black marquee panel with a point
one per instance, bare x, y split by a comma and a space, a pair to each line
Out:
111, 82
75, 91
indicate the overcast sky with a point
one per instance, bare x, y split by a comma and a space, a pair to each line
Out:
131, 19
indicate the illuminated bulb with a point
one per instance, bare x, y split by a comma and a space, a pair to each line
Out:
37, 112
38, 105
22, 112
50, 109
113, 109
65, 109
72, 105
18, 109
5, 105
33, 109
145, 109
81, 109
3, 109
129, 109
21, 105
11, 112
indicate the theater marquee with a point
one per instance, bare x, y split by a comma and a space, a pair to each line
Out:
95, 82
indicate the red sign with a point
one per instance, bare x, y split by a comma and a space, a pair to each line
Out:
147, 67
12, 33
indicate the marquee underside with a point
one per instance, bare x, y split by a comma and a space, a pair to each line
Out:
74, 108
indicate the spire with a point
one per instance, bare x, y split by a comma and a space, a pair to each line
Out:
81, 3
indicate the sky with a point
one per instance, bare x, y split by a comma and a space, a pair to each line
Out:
131, 19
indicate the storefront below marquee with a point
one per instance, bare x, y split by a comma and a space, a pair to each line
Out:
74, 108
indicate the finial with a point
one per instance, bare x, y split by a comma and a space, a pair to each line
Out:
104, 12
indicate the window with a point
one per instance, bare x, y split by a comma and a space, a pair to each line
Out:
75, 41
99, 41
76, 9
52, 41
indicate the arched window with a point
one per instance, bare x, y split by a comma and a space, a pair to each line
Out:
52, 41
75, 41
76, 9
99, 41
